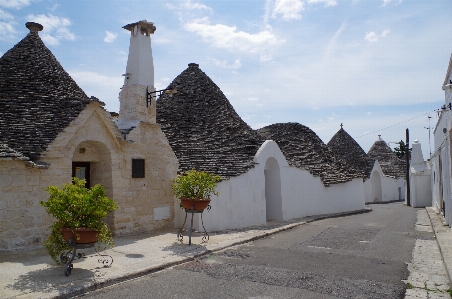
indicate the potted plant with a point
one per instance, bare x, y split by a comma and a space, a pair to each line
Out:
194, 188
77, 210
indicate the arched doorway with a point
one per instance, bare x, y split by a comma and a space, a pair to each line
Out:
92, 160
273, 197
376, 186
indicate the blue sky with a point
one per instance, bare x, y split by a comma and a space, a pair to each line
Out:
369, 64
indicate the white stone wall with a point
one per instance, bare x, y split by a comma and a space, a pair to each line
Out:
24, 223
138, 197
133, 109
242, 199
442, 152
22, 219
389, 187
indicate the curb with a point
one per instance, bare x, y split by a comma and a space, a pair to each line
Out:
439, 242
95, 285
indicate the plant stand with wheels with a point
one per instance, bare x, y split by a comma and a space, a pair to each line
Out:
69, 256
205, 236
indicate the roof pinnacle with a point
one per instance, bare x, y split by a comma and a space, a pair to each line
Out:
34, 27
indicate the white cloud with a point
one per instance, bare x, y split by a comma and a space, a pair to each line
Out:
327, 2
5, 16
17, 4
227, 37
106, 88
268, 10
224, 64
385, 2
333, 40
265, 57
371, 37
110, 36
54, 7
252, 99
385, 32
289, 9
188, 5
55, 28
7, 30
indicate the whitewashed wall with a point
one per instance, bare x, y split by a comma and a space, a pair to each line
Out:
420, 174
389, 187
242, 199
442, 147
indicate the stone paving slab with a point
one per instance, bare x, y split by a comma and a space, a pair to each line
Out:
33, 274
428, 276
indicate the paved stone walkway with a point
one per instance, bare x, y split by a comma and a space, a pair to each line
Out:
428, 277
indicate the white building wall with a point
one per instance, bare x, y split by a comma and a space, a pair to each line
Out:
389, 187
242, 200
420, 178
440, 181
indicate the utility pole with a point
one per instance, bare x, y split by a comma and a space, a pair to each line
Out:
407, 157
429, 143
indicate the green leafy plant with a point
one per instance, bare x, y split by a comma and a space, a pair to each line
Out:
401, 150
194, 184
75, 206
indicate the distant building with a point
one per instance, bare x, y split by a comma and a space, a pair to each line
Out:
382, 172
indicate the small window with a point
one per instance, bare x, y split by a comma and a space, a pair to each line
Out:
137, 168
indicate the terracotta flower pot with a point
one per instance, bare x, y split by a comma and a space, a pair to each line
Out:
80, 235
198, 204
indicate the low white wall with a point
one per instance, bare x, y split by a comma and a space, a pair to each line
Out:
421, 191
389, 187
242, 200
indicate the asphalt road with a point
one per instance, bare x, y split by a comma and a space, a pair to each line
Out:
358, 256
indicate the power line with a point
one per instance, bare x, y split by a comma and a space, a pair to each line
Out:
398, 123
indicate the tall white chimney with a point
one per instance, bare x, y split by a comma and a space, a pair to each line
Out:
138, 79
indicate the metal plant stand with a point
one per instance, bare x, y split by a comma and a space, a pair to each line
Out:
69, 256
205, 235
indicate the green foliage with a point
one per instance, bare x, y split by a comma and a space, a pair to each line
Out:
401, 149
194, 184
75, 206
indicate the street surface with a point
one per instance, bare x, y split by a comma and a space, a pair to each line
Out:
358, 256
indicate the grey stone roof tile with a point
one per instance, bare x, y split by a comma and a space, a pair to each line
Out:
391, 165
343, 145
203, 128
304, 149
38, 98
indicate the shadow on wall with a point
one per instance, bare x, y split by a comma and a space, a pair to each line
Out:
376, 186
273, 197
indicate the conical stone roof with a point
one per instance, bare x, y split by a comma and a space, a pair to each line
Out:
391, 165
203, 128
304, 149
343, 145
38, 98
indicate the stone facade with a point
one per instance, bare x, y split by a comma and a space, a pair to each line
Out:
45, 130
24, 222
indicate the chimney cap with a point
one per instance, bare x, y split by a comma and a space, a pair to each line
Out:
34, 26
143, 24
